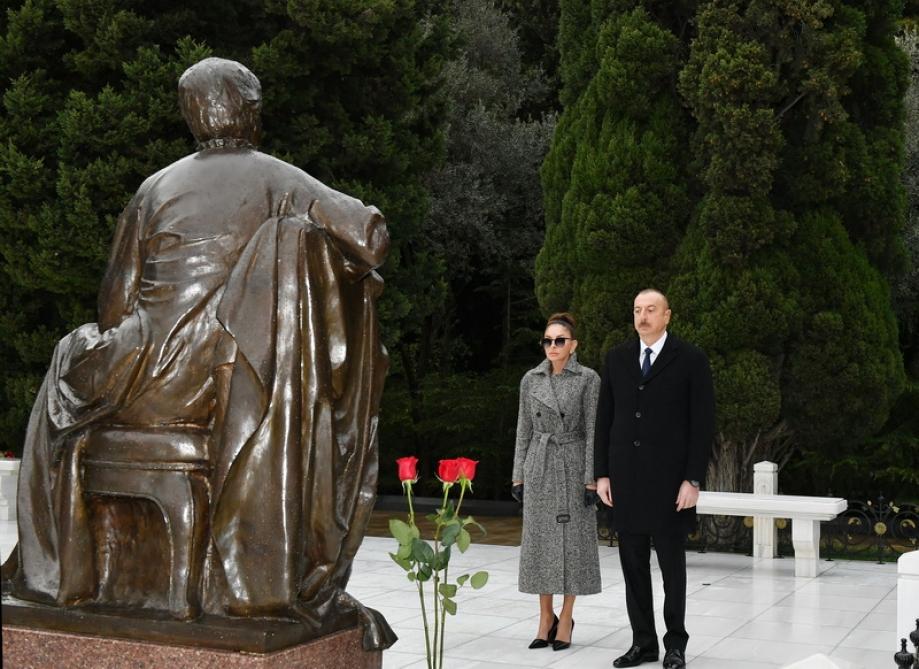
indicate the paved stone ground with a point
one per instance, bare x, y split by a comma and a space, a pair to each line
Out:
742, 612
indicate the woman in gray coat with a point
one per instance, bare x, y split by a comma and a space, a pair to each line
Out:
553, 478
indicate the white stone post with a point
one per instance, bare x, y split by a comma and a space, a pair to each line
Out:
9, 481
805, 537
765, 536
907, 597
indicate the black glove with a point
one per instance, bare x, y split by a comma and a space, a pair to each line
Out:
517, 492
591, 498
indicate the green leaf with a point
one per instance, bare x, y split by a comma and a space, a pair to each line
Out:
450, 533
462, 579
424, 573
405, 564
400, 530
405, 551
471, 521
479, 579
410, 576
449, 606
447, 589
441, 559
422, 551
463, 540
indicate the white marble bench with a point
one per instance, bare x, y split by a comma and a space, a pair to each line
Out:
805, 514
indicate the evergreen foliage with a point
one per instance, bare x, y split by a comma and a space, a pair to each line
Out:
537, 29
472, 413
772, 281
485, 223
906, 287
486, 217
615, 183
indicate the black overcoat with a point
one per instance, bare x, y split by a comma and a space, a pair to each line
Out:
653, 433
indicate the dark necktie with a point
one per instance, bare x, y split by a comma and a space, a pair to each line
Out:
646, 365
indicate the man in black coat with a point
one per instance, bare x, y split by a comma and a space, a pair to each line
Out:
655, 425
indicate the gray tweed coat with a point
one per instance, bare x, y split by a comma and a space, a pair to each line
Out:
554, 459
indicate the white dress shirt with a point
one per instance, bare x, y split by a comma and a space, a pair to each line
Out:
655, 349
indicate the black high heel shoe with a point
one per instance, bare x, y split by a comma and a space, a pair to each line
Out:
562, 645
544, 643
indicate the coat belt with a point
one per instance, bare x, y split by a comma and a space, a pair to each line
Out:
553, 457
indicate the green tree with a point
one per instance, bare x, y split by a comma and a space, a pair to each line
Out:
775, 277
486, 214
352, 96
536, 22
873, 206
906, 288
485, 223
616, 187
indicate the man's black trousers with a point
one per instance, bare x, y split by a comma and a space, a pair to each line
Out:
635, 556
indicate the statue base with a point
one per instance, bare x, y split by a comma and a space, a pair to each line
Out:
44, 636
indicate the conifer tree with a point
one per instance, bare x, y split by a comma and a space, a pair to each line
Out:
776, 279
616, 190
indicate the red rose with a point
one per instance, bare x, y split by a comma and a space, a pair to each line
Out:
467, 468
408, 468
448, 470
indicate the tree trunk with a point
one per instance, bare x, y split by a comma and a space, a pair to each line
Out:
730, 469
726, 470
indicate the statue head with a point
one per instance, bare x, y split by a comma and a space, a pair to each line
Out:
221, 100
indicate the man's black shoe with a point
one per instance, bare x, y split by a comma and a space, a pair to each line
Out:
635, 656
673, 659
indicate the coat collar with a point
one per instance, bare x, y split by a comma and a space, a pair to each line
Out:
543, 391
665, 357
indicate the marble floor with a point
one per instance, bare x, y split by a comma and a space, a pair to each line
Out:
742, 613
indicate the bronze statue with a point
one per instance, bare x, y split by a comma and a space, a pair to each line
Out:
221, 417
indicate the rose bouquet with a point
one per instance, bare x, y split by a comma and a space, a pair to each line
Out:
424, 562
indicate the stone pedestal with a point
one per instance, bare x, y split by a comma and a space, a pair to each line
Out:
39, 637
907, 597
25, 648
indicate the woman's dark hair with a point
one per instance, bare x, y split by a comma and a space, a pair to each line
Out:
564, 319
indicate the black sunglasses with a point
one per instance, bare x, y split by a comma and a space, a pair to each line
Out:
558, 341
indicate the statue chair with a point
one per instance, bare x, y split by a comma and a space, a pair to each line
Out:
166, 465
